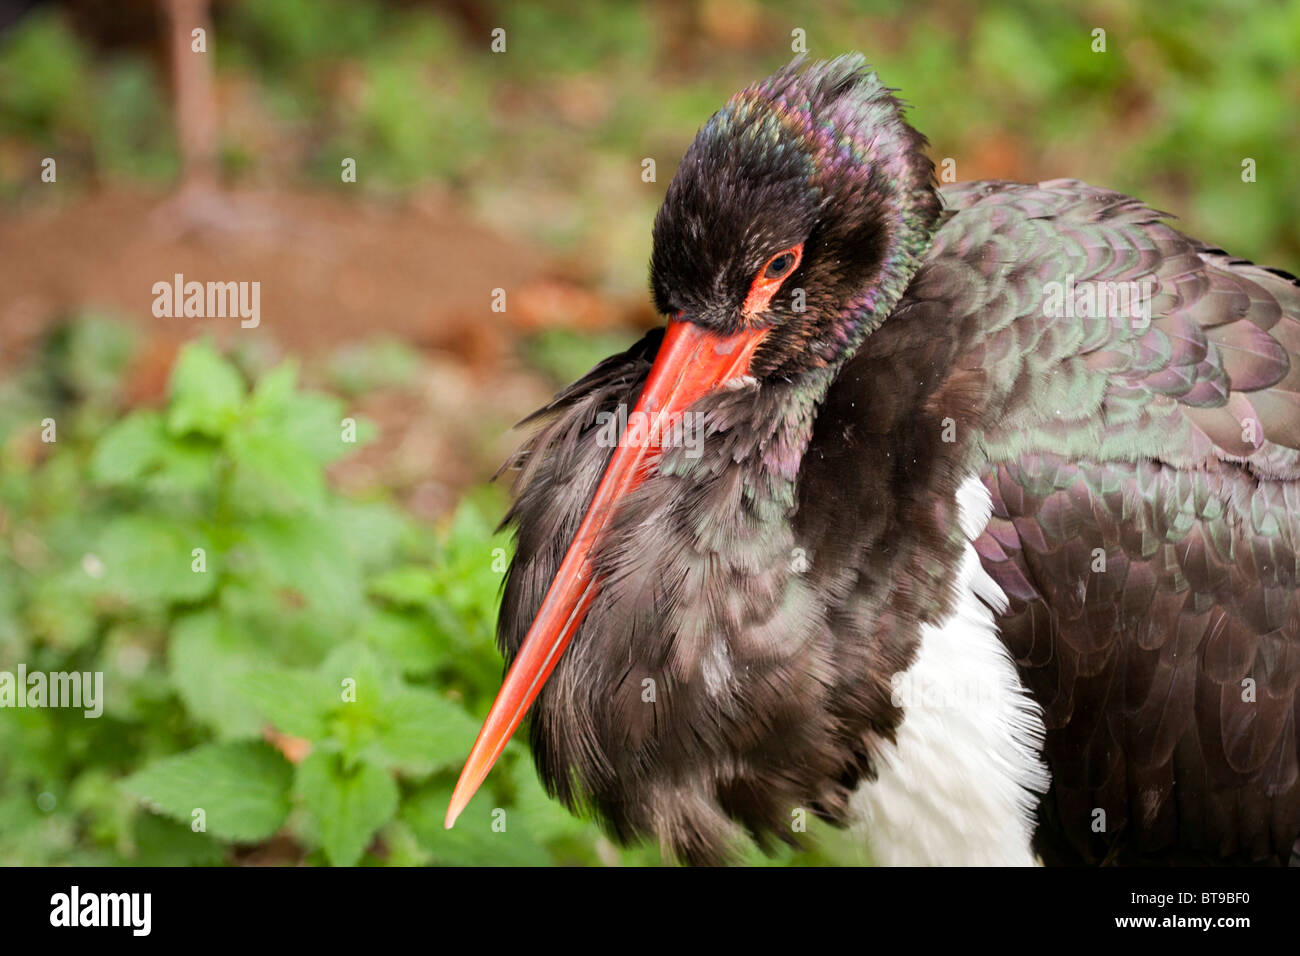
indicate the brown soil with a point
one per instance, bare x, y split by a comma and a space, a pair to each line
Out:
333, 269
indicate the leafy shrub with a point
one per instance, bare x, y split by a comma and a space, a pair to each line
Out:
279, 661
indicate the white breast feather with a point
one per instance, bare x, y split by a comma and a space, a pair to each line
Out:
960, 785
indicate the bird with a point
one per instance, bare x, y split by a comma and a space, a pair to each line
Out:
966, 516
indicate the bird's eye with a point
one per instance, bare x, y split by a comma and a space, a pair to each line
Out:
769, 279
779, 265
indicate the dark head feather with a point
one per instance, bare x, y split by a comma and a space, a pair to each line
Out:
816, 154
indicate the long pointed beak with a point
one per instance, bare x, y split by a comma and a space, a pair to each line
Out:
692, 362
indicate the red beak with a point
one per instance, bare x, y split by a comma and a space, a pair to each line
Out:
692, 362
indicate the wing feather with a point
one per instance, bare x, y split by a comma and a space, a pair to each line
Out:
1145, 476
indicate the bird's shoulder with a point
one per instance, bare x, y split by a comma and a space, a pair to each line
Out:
1096, 329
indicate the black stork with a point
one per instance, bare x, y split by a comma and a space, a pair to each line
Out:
971, 513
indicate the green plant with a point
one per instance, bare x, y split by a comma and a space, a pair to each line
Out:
277, 659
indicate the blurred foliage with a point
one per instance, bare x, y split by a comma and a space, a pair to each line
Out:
306, 669
566, 355
546, 139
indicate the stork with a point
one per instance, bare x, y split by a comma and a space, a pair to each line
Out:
988, 540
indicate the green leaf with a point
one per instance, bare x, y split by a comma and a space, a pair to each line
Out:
308, 555
271, 396
401, 847
148, 557
128, 449
349, 805
539, 813
207, 393
272, 474
210, 660
475, 559
295, 702
355, 722
139, 450
373, 530
408, 586
314, 422
309, 421
185, 465
163, 842
242, 787
420, 732
406, 639
359, 664
61, 609
473, 841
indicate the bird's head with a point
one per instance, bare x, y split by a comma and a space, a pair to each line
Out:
792, 227
796, 217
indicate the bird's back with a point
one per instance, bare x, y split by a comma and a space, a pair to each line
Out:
1131, 399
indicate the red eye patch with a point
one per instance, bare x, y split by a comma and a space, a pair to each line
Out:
770, 277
